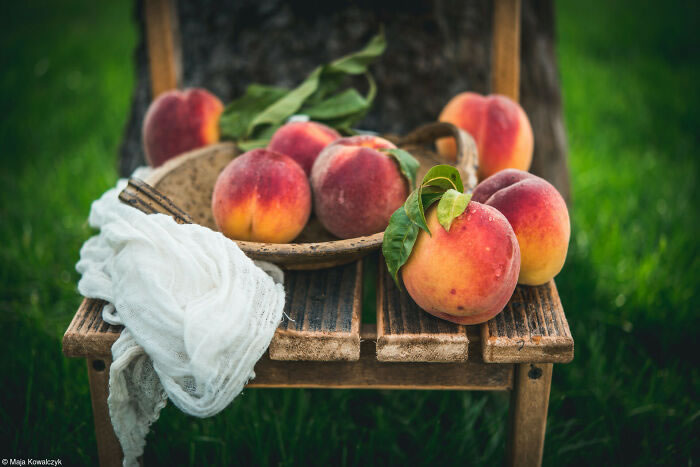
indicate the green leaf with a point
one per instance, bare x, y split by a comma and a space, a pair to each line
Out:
407, 164
287, 106
445, 177
414, 209
357, 63
429, 198
346, 103
452, 204
239, 113
323, 81
249, 144
399, 238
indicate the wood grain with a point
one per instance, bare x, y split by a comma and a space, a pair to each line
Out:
369, 373
532, 328
109, 450
322, 315
505, 49
405, 333
528, 414
88, 335
163, 45
325, 306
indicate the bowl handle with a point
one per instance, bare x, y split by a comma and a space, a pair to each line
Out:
145, 198
467, 153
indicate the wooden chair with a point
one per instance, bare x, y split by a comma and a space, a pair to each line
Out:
327, 346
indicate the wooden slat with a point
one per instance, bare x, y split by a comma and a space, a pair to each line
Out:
369, 373
88, 335
532, 328
322, 321
162, 37
405, 333
505, 48
325, 306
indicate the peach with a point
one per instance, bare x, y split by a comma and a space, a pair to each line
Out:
302, 141
539, 217
179, 121
262, 196
499, 126
357, 187
466, 275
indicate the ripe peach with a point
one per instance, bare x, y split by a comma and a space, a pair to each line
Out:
539, 217
499, 126
466, 275
357, 187
179, 121
302, 141
262, 196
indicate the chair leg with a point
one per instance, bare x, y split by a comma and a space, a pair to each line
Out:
109, 450
528, 413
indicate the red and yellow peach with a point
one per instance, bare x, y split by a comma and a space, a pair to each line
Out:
499, 126
539, 217
262, 196
179, 121
357, 187
466, 275
302, 141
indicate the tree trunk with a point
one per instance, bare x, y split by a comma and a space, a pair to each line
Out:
435, 50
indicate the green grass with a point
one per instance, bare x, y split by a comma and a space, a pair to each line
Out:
630, 286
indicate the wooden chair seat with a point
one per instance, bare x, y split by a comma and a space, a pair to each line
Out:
322, 323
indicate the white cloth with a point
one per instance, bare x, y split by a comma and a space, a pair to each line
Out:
198, 314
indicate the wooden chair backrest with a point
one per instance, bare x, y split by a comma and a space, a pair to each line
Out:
165, 59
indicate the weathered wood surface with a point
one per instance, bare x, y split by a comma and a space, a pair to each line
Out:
405, 333
88, 335
532, 328
325, 306
109, 451
164, 58
142, 196
529, 401
370, 373
505, 49
322, 315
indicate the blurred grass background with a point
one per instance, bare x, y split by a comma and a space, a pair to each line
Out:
631, 285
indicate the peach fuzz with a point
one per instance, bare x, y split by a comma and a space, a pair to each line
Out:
262, 196
499, 126
466, 275
539, 217
357, 187
179, 121
302, 141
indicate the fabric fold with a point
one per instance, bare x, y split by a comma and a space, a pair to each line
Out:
198, 314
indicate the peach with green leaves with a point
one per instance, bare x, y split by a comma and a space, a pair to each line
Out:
458, 260
262, 196
358, 182
467, 274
